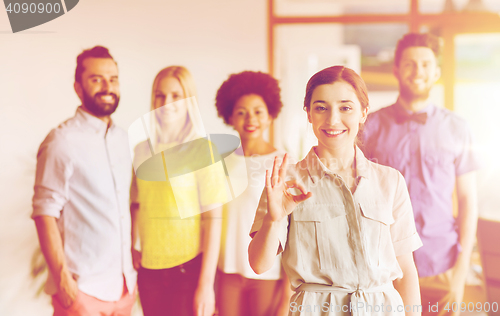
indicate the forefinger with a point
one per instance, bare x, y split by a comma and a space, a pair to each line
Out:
283, 167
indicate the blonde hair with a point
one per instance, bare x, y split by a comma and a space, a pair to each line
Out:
193, 128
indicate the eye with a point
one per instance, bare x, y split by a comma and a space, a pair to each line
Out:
408, 64
427, 64
95, 80
320, 108
345, 108
176, 96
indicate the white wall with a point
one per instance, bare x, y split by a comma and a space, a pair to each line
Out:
211, 38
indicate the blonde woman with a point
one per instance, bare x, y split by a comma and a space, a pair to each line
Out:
179, 247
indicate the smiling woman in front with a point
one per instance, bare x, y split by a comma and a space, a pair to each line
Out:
344, 224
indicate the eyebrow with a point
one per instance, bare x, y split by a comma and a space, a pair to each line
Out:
319, 101
100, 76
324, 102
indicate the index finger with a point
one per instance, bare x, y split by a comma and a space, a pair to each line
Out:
282, 171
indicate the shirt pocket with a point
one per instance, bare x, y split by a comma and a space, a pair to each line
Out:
375, 230
439, 166
321, 236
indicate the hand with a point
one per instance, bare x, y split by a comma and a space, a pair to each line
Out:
68, 290
136, 258
280, 202
204, 300
457, 287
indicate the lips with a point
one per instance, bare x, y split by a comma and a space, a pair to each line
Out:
333, 132
106, 98
250, 128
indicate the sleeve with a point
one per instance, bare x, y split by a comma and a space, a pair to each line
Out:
134, 191
365, 136
212, 186
259, 218
53, 171
467, 159
404, 234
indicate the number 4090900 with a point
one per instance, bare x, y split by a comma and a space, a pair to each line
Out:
34, 8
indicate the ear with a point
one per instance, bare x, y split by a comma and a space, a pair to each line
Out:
309, 117
438, 74
395, 71
79, 90
364, 114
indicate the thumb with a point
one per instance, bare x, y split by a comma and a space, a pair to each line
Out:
302, 197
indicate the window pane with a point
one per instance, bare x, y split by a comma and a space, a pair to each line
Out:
339, 7
438, 6
477, 100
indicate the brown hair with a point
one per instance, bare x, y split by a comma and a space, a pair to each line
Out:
94, 52
417, 40
334, 74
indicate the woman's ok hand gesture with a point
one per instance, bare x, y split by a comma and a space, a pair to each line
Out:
280, 202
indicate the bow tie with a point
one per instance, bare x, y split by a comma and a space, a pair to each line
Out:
417, 117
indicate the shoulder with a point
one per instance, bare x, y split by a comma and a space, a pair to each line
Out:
449, 116
454, 123
60, 139
381, 113
141, 153
379, 118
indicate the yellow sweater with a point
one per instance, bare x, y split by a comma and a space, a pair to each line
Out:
167, 240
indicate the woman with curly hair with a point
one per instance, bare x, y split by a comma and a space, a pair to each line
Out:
249, 101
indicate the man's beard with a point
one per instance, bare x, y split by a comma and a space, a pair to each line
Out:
93, 105
410, 95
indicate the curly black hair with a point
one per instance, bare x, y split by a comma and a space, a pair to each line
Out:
244, 83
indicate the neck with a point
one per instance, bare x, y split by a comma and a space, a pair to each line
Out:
413, 105
256, 146
169, 132
106, 119
338, 159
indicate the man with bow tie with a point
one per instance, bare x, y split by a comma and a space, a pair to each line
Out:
432, 148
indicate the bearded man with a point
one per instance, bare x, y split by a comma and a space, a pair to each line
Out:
80, 205
432, 148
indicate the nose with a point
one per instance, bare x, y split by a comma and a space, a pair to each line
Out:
250, 117
105, 84
333, 117
419, 70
